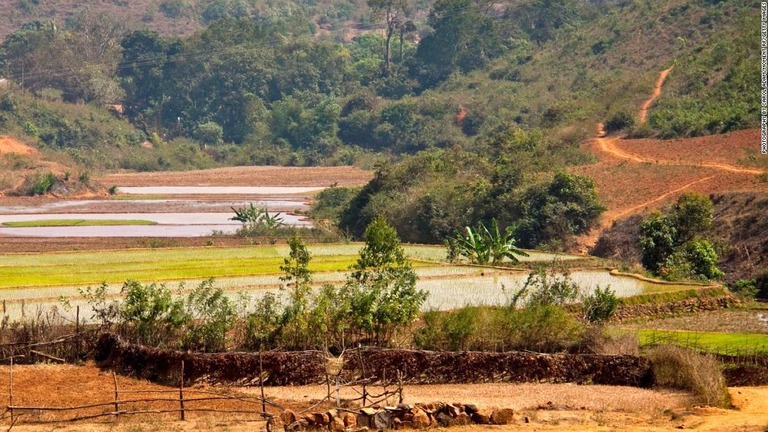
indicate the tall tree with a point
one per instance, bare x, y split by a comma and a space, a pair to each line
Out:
393, 13
464, 38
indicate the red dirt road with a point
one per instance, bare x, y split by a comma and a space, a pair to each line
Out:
634, 175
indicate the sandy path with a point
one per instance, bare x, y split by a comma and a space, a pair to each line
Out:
610, 146
643, 115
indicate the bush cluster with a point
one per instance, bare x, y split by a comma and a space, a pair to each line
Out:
673, 243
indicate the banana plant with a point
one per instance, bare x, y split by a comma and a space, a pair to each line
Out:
485, 246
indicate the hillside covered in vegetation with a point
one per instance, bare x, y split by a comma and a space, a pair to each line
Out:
469, 111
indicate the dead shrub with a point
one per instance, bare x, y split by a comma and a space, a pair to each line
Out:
686, 369
597, 341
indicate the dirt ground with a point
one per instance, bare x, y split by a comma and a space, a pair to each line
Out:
541, 407
9, 145
246, 176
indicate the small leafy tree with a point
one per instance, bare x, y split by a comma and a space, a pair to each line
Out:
210, 314
658, 239
381, 289
600, 306
549, 287
262, 324
209, 133
692, 215
672, 244
151, 312
298, 277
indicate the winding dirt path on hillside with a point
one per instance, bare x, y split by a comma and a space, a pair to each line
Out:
612, 216
610, 146
643, 115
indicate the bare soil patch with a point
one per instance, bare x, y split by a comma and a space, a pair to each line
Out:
9, 145
541, 407
246, 176
725, 151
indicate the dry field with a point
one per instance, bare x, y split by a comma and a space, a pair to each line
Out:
246, 176
547, 407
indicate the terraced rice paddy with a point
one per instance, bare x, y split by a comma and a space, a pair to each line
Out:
29, 281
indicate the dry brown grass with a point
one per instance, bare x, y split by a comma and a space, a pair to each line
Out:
686, 369
246, 176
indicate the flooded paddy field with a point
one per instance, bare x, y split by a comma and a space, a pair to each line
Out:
30, 282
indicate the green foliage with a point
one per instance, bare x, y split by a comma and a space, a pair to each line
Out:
262, 323
692, 215
257, 219
150, 313
40, 184
381, 290
556, 211
695, 259
600, 306
548, 286
745, 288
485, 246
535, 327
209, 133
671, 243
658, 239
209, 316
619, 121
330, 202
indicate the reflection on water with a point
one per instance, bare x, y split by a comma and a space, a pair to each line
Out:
169, 225
161, 204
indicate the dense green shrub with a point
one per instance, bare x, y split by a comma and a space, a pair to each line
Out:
209, 316
600, 306
672, 245
619, 121
150, 313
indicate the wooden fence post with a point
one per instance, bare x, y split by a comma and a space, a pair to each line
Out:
77, 332
181, 391
261, 386
117, 397
10, 390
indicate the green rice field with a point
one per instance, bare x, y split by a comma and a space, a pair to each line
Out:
714, 342
43, 278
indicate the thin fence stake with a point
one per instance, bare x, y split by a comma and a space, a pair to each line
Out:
261, 386
10, 390
117, 397
77, 335
181, 391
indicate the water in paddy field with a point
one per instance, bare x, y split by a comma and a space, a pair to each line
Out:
207, 210
168, 225
449, 287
